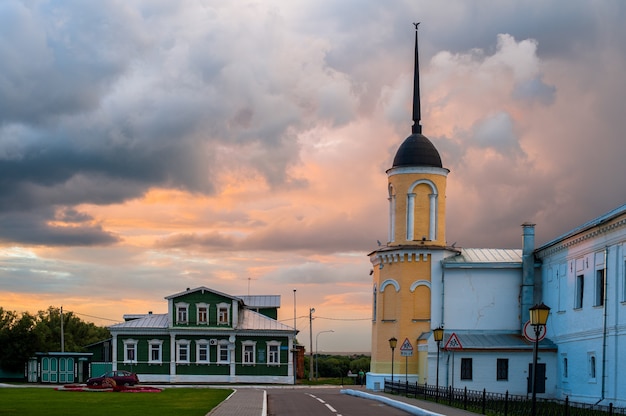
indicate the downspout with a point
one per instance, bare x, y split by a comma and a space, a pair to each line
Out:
443, 289
604, 325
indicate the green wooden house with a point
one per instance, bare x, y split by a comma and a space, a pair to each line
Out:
207, 337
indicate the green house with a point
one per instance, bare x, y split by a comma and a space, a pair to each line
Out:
207, 337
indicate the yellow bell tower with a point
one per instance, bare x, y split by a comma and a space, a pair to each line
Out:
407, 270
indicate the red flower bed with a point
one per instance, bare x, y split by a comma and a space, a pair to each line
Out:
105, 388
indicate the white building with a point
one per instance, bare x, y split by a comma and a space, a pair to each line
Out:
482, 297
583, 277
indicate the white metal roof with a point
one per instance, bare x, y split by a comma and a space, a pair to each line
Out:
249, 320
252, 320
153, 321
261, 301
486, 256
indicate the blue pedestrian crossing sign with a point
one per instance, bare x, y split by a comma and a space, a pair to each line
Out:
406, 349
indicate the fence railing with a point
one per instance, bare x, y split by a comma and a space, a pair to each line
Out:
497, 403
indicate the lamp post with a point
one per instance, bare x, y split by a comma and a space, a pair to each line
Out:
538, 319
438, 334
317, 372
393, 342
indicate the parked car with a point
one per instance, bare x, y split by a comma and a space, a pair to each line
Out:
121, 378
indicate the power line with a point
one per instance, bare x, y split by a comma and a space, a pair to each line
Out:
95, 317
344, 319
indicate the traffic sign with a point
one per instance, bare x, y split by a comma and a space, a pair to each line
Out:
453, 343
406, 349
529, 332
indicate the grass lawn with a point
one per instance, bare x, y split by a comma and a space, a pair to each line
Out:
26, 401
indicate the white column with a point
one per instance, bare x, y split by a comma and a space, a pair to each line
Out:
114, 352
432, 234
410, 217
172, 357
392, 218
233, 359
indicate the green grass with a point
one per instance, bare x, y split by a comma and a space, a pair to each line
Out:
28, 401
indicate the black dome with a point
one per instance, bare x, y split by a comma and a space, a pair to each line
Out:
417, 150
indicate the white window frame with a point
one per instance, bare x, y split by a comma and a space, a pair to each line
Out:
182, 345
201, 344
579, 291
204, 306
248, 352
130, 345
599, 287
223, 313
182, 307
223, 346
270, 359
592, 367
155, 345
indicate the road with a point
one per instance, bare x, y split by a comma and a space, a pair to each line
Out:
324, 402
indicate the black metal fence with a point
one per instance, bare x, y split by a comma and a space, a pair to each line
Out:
497, 403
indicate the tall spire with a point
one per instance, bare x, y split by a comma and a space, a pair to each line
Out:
417, 128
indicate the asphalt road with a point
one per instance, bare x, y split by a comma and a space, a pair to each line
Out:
324, 402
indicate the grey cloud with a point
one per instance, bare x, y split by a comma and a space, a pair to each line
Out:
206, 241
497, 132
535, 90
33, 228
59, 58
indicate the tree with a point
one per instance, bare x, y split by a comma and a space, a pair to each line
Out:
76, 333
18, 341
22, 336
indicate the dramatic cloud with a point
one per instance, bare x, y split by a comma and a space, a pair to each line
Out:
148, 146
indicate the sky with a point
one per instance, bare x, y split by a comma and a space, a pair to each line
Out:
149, 146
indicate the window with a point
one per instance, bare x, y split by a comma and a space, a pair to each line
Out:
565, 369
273, 353
592, 366
222, 314
203, 313
130, 351
223, 355
182, 351
599, 301
502, 371
182, 312
156, 348
466, 368
580, 289
247, 351
202, 351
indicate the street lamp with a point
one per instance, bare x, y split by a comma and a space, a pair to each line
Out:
438, 334
393, 342
538, 319
317, 373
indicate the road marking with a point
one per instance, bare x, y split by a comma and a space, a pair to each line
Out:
332, 409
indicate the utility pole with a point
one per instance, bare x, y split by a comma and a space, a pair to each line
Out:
62, 334
311, 310
295, 342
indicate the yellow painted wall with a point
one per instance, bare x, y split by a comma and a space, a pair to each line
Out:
410, 315
400, 185
398, 319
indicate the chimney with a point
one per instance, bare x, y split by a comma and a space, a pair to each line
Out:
528, 271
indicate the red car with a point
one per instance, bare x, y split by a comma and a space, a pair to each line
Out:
121, 378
